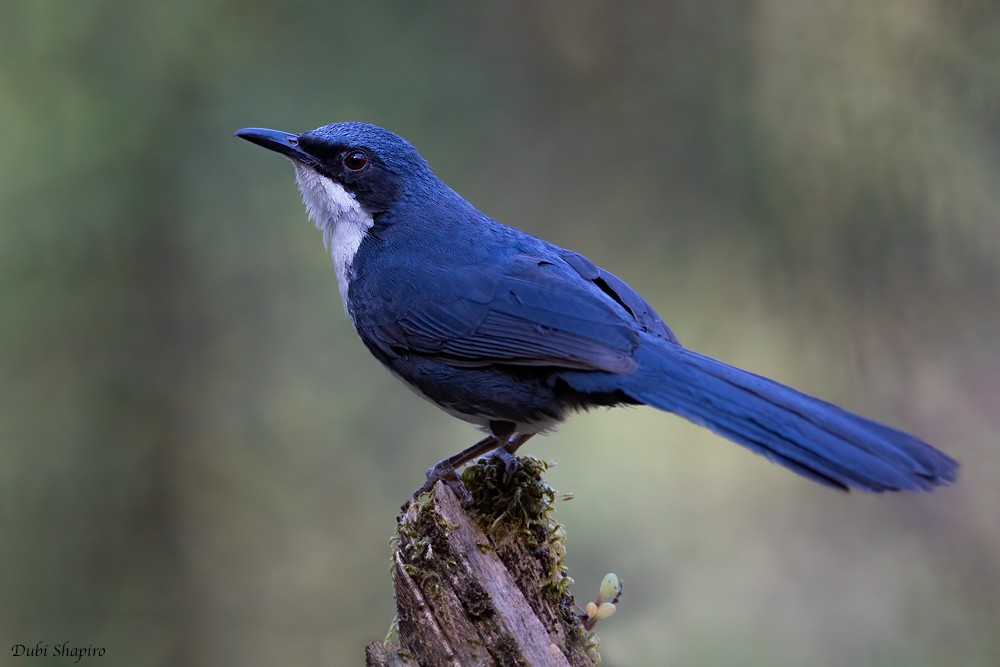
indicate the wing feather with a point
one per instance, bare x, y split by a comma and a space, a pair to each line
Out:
534, 312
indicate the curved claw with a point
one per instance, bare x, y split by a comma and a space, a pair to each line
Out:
511, 463
446, 469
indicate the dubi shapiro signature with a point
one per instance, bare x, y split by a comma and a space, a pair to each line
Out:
64, 650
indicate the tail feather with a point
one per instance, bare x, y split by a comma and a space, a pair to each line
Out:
811, 437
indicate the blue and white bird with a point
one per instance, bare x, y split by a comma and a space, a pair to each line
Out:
512, 333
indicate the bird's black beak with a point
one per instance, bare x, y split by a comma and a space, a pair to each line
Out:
281, 142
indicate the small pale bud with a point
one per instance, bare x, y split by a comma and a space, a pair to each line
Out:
606, 609
591, 610
610, 587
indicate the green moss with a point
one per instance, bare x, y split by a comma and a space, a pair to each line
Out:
523, 504
419, 535
517, 504
391, 643
392, 636
593, 648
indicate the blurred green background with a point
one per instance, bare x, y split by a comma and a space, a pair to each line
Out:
201, 465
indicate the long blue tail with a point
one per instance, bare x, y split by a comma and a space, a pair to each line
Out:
812, 437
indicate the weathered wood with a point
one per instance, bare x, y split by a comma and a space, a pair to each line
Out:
465, 596
378, 654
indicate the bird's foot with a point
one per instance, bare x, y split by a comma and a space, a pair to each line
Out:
446, 469
511, 464
443, 471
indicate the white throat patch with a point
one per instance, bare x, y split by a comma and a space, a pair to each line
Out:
339, 216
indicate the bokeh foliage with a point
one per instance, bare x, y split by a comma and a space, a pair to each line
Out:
200, 464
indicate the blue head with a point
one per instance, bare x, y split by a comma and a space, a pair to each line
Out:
372, 165
349, 174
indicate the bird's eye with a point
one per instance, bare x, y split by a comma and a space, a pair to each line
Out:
355, 160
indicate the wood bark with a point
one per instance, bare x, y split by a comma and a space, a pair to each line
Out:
465, 596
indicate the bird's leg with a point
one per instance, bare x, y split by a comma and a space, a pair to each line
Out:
504, 431
445, 469
514, 443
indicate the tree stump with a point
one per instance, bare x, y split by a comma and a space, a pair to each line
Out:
484, 584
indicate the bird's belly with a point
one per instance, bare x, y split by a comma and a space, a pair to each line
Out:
481, 395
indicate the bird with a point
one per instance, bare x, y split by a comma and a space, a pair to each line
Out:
513, 334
